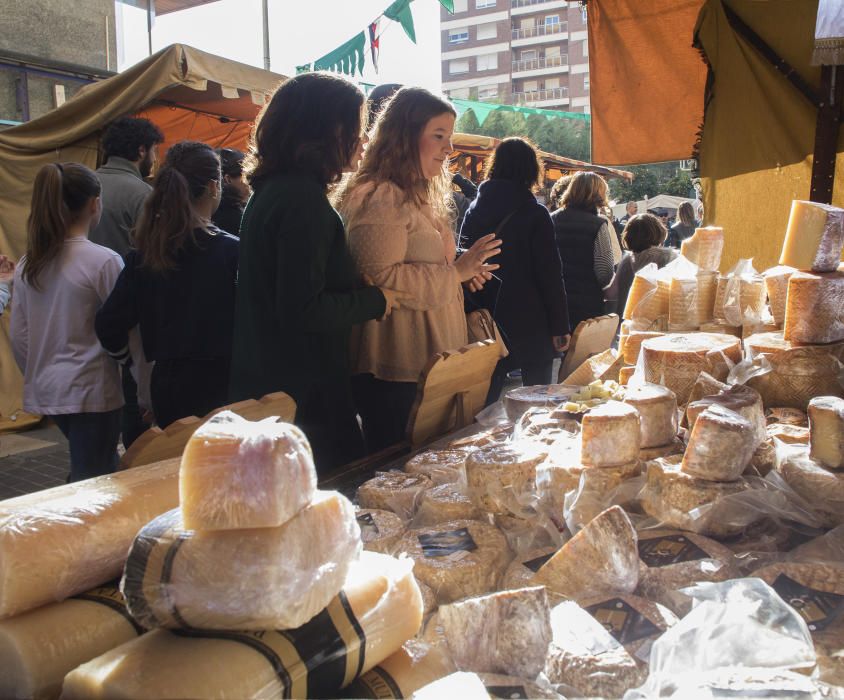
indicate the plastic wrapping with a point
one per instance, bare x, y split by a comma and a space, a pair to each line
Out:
545, 425
440, 466
683, 294
610, 435
394, 491
529, 531
657, 407
498, 476
776, 285
379, 608
598, 489
814, 237
704, 247
445, 502
379, 529
647, 300
520, 399
721, 444
237, 474
270, 578
826, 425
70, 539
818, 486
744, 295
813, 310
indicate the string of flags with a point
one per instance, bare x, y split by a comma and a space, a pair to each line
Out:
349, 57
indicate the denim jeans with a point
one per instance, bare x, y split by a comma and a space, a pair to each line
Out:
93, 442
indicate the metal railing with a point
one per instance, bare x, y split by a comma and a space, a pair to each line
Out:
521, 98
527, 3
539, 63
540, 30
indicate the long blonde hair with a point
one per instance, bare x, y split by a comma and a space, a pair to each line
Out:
393, 153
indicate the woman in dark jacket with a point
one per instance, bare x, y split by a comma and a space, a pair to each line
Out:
684, 227
528, 300
235, 192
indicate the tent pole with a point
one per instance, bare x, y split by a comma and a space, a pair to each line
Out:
266, 13
149, 24
826, 135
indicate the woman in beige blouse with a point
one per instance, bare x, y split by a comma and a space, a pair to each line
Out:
397, 208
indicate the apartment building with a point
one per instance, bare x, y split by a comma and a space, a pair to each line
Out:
532, 53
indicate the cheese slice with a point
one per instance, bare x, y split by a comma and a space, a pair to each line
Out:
720, 446
632, 345
394, 491
498, 476
704, 248
70, 539
379, 529
744, 400
657, 408
237, 473
404, 672
611, 435
443, 503
378, 609
647, 300
821, 488
826, 425
440, 466
813, 310
603, 366
268, 578
814, 237
776, 285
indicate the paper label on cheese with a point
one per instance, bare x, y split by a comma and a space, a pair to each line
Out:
516, 692
443, 544
377, 684
622, 621
536, 564
109, 595
818, 608
368, 526
670, 549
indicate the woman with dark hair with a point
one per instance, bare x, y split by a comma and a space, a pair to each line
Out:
235, 191
398, 210
178, 288
298, 291
684, 227
59, 285
528, 301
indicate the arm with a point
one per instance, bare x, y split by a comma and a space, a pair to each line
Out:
19, 328
467, 187
548, 272
5, 296
603, 255
119, 312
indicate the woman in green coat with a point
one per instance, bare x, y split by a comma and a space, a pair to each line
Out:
298, 292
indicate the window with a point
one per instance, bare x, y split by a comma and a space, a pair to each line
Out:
483, 4
487, 61
551, 83
458, 66
530, 86
487, 31
528, 55
458, 35
528, 23
459, 93
552, 19
586, 83
487, 92
552, 52
461, 6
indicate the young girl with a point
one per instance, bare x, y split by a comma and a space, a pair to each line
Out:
59, 285
178, 287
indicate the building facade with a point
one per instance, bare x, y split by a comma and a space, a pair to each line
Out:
532, 53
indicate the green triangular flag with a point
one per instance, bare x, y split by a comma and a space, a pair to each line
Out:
347, 58
305, 68
400, 12
448, 5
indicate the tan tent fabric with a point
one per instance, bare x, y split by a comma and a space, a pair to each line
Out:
646, 80
187, 92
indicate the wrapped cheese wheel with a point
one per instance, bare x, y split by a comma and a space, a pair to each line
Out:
691, 301
826, 425
378, 609
611, 435
814, 237
521, 571
721, 326
273, 578
520, 399
821, 488
394, 491
634, 622
776, 285
789, 434
379, 529
70, 539
237, 473
497, 476
443, 503
403, 673
647, 299
704, 248
813, 308
744, 400
657, 407
440, 466
497, 435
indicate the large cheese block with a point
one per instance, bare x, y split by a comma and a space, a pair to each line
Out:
813, 308
691, 301
440, 466
522, 569
798, 373
378, 608
776, 285
600, 559
403, 673
603, 366
498, 476
443, 503
237, 473
676, 360
704, 248
506, 632
457, 559
826, 426
611, 435
40, 647
657, 408
70, 539
267, 578
632, 344
744, 400
394, 491
814, 237
821, 489
379, 529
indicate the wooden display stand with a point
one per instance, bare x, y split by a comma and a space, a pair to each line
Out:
591, 336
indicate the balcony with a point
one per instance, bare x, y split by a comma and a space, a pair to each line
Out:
537, 34
524, 7
530, 67
542, 98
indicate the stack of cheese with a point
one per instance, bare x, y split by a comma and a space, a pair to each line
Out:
256, 565
741, 299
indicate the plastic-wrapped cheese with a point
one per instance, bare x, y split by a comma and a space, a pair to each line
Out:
676, 446
520, 399
598, 489
497, 476
237, 473
611, 435
440, 466
402, 673
657, 407
647, 299
379, 529
632, 345
720, 445
776, 285
814, 237
463, 685
826, 425
458, 558
822, 489
798, 373
813, 308
394, 491
633, 621
789, 434
744, 400
690, 301
603, 366
378, 609
676, 360
498, 435
522, 569
443, 503
721, 326
704, 248
70, 539
38, 648
706, 385
267, 578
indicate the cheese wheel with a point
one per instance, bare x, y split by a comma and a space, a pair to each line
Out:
744, 400
675, 361
704, 248
749, 329
676, 446
457, 559
814, 237
822, 489
657, 408
443, 503
394, 491
599, 488
379, 529
522, 569
237, 473
267, 578
611, 435
604, 366
69, 539
720, 446
440, 466
682, 305
798, 373
826, 425
625, 374
483, 438
633, 344
520, 399
38, 648
721, 326
789, 434
378, 609
498, 476
647, 299
776, 285
752, 297
463, 685
403, 673
813, 308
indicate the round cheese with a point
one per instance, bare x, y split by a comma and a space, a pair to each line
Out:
826, 425
394, 491
647, 299
675, 447
379, 529
485, 438
611, 435
776, 285
721, 444
632, 344
813, 308
744, 400
443, 503
528, 532
457, 559
520, 399
498, 476
675, 361
814, 237
704, 247
821, 488
657, 408
798, 373
721, 326
440, 466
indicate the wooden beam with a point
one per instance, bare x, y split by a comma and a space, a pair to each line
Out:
826, 134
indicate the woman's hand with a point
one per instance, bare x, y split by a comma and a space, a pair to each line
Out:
474, 261
477, 283
7, 269
560, 342
393, 298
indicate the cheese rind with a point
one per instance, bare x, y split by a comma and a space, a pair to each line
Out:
497, 476
239, 474
814, 237
632, 344
403, 673
776, 285
826, 426
704, 248
379, 529
744, 400
273, 578
657, 408
813, 311
611, 435
822, 489
603, 366
440, 466
394, 491
720, 445
443, 503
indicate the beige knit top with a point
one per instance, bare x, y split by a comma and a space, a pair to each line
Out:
403, 246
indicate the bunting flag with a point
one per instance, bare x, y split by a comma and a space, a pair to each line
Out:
374, 43
305, 68
448, 5
483, 109
347, 58
400, 12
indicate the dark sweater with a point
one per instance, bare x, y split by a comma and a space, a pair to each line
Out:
229, 213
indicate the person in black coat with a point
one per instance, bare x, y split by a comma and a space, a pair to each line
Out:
236, 192
528, 298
